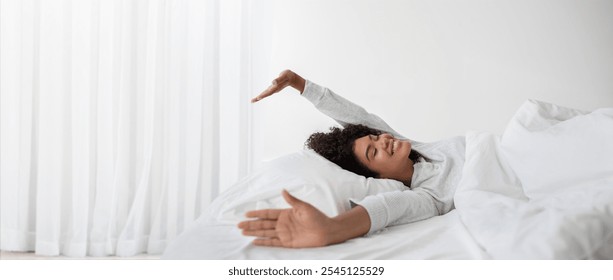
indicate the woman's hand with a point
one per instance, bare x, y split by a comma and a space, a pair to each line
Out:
298, 227
286, 78
303, 225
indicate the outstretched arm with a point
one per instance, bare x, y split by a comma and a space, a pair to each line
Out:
303, 225
338, 108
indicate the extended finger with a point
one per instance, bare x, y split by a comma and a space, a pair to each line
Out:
282, 80
268, 214
266, 93
272, 242
277, 85
259, 224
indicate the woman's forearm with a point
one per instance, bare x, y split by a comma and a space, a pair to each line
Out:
351, 224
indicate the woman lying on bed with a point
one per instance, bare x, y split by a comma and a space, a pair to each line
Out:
365, 145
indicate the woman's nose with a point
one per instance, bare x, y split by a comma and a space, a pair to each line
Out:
386, 136
385, 139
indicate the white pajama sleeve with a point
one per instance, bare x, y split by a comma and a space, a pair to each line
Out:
342, 110
398, 207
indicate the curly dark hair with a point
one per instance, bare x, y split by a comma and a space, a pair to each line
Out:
337, 146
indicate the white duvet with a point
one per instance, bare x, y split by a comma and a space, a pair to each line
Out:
544, 190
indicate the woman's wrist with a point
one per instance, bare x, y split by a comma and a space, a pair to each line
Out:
298, 82
351, 224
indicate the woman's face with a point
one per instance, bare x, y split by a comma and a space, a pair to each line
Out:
385, 155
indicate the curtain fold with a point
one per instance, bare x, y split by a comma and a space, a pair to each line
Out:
108, 123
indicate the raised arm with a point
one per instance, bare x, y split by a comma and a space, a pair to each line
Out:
331, 104
342, 110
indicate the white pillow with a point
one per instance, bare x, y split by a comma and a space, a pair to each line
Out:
306, 175
554, 149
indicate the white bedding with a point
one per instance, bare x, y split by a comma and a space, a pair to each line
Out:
575, 224
507, 204
543, 191
315, 180
442, 237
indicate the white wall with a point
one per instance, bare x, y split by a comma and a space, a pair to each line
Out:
431, 69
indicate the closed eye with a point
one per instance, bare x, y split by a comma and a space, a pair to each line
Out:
374, 138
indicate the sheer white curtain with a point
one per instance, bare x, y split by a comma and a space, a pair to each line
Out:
109, 120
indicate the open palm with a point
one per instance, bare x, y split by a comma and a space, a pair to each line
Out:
298, 227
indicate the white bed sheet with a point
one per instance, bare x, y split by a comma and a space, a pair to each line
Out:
442, 237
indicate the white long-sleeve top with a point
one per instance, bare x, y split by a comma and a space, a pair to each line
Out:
434, 179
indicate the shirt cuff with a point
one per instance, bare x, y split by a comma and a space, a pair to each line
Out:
313, 92
377, 212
